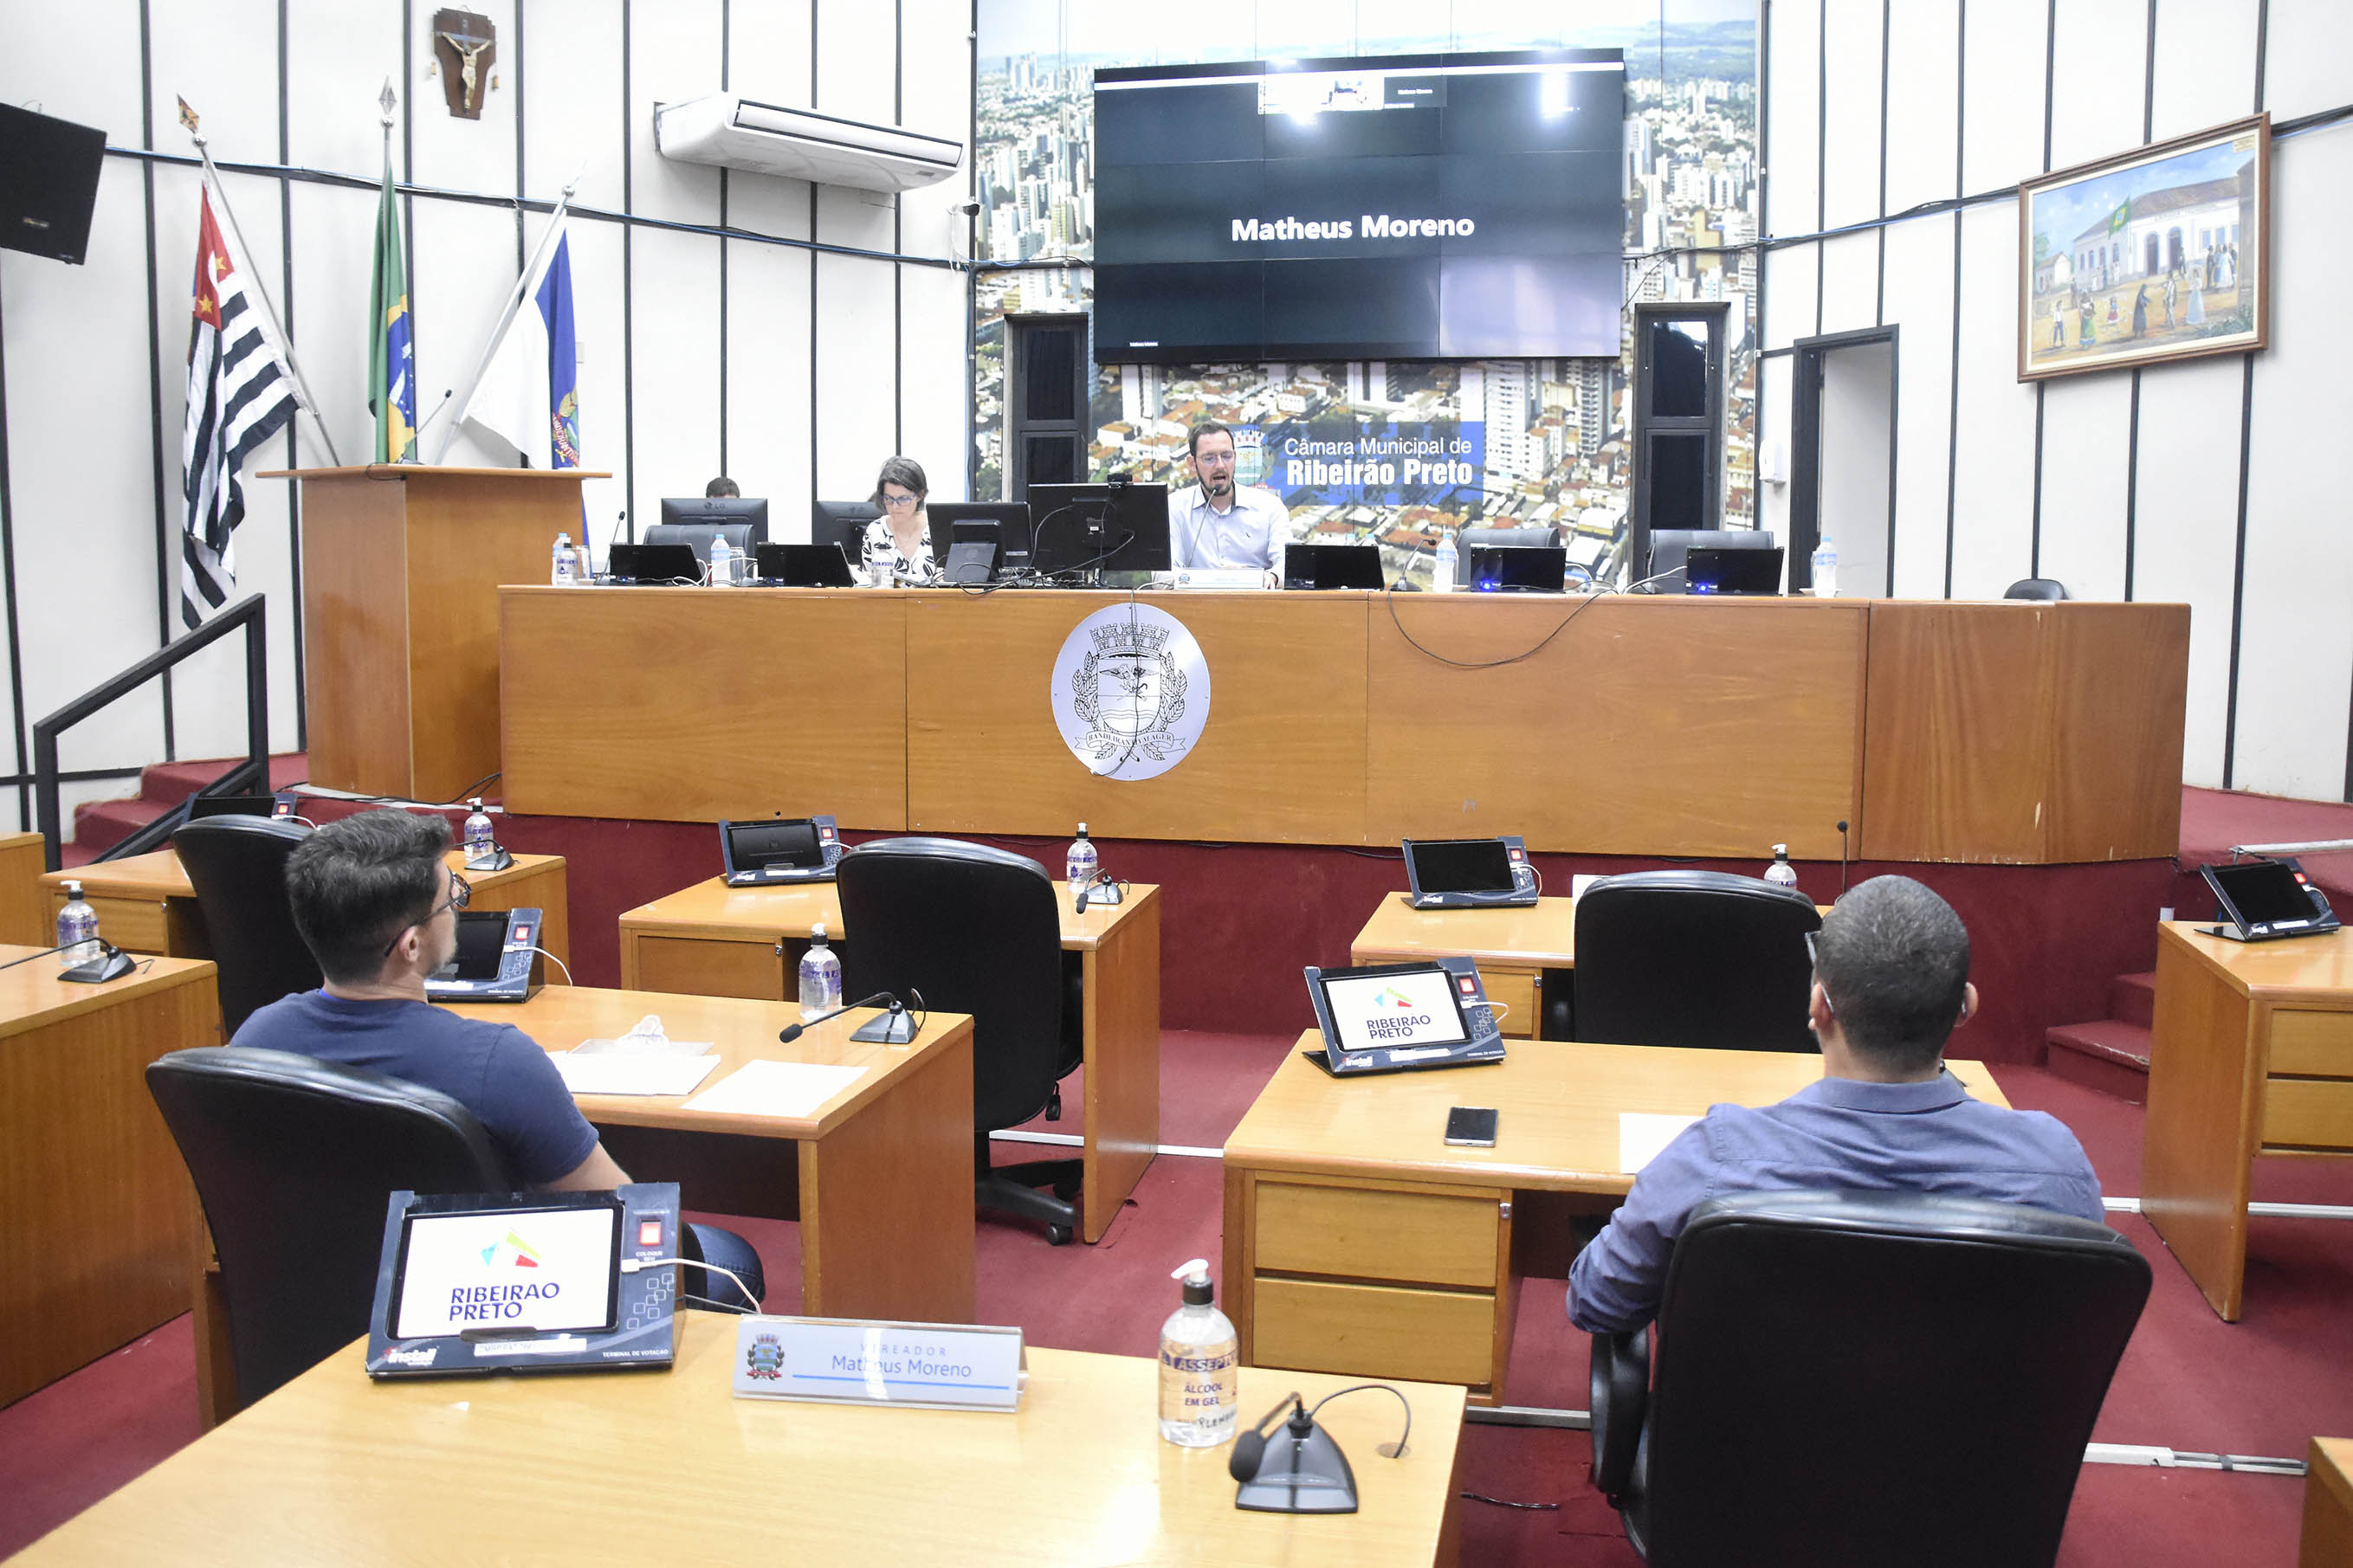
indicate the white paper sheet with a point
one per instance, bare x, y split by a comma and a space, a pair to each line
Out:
1643, 1133
776, 1089
624, 1072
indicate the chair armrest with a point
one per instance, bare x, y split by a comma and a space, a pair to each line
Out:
1620, 1400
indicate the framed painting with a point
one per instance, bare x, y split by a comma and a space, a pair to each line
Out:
2157, 254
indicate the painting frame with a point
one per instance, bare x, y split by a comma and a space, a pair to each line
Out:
2174, 262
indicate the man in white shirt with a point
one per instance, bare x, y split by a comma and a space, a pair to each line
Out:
1216, 522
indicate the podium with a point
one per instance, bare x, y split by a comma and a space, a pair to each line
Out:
401, 568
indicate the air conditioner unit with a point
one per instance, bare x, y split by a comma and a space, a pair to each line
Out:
736, 133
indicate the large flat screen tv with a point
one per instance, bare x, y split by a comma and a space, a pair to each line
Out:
1410, 206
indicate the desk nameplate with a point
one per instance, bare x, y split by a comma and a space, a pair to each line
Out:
842, 1360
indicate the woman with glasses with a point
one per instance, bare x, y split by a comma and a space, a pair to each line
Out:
898, 545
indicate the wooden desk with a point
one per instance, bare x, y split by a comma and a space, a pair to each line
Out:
25, 913
714, 939
880, 1176
1356, 1241
658, 1467
2327, 1505
2252, 1053
146, 904
1513, 948
100, 1218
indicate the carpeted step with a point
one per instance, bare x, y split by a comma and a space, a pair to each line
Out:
2109, 1055
2131, 998
100, 825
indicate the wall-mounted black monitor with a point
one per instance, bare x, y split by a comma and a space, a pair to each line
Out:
1408, 206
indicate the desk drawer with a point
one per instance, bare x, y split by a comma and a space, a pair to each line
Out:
1515, 989
1370, 1331
697, 968
2308, 1113
1369, 1234
135, 924
2312, 1045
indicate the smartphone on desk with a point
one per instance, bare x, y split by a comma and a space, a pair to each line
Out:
1471, 1127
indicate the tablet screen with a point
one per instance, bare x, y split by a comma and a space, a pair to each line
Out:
2264, 892
759, 844
1461, 866
1408, 1007
553, 1268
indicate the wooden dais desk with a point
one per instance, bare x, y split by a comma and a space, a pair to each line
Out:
146, 904
659, 1467
880, 1176
1357, 1241
1513, 948
714, 939
2252, 1054
2328, 1504
100, 1216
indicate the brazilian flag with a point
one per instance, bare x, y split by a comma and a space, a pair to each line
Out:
392, 365
2121, 216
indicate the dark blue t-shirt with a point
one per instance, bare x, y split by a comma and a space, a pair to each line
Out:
494, 1070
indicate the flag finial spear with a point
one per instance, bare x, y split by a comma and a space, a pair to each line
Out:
188, 118
388, 100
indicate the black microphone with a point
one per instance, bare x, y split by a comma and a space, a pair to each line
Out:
1841, 858
792, 1032
1250, 1448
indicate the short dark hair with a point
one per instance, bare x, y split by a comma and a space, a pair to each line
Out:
720, 488
1205, 427
904, 472
357, 884
1894, 958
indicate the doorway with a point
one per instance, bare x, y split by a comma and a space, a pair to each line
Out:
1842, 458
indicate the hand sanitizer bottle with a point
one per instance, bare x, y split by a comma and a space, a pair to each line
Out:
1078, 865
1781, 873
76, 929
1442, 573
820, 976
1826, 570
481, 844
564, 563
1200, 1382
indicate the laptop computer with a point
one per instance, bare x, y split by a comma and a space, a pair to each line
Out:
2266, 900
780, 850
1708, 569
1402, 1018
1518, 568
802, 566
1470, 873
652, 565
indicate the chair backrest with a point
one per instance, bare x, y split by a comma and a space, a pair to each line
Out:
238, 866
2036, 588
1868, 1378
294, 1160
1693, 958
977, 930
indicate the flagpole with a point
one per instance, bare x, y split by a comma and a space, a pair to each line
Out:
506, 317
303, 398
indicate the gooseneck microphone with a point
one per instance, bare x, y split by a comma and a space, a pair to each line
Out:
792, 1032
1842, 857
1250, 1448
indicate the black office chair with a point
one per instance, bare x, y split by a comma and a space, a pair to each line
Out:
977, 930
1693, 958
2036, 588
295, 1159
1846, 1379
238, 866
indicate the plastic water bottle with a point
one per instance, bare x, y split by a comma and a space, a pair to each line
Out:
76, 929
1781, 873
1078, 865
481, 844
1200, 1386
1826, 570
722, 561
1441, 574
564, 567
820, 976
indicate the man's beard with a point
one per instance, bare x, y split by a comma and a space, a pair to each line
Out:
1215, 487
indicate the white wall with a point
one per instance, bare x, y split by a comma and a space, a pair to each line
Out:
1858, 385
2136, 495
800, 372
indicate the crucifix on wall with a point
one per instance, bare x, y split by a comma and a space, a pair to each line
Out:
467, 45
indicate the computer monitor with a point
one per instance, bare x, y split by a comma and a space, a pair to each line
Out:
654, 565
842, 522
1332, 566
1118, 527
1470, 539
803, 566
1011, 517
1663, 573
1708, 570
707, 513
1517, 568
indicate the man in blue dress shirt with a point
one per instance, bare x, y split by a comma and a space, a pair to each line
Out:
1217, 522
1891, 983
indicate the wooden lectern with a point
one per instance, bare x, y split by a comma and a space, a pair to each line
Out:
401, 568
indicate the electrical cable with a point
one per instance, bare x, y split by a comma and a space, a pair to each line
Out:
1389, 594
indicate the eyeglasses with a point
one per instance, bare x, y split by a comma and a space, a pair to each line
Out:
461, 893
899, 503
1213, 460
1815, 961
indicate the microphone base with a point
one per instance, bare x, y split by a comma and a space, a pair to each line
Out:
1299, 1475
892, 1029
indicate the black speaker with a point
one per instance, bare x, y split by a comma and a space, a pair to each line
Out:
48, 183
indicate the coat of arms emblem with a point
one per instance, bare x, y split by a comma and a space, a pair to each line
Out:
1131, 691
766, 1358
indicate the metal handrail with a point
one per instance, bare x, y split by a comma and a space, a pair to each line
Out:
246, 614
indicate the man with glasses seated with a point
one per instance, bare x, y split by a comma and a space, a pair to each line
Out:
1217, 522
378, 909
1891, 985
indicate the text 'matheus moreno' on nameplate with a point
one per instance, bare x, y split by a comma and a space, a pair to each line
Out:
931, 1366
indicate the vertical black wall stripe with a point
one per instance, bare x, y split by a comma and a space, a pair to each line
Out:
2049, 77
2132, 425
1960, 169
522, 255
979, 192
408, 159
2246, 440
1822, 146
8, 581
165, 555
814, 480
726, 44
1879, 303
898, 237
628, 296
293, 456
1760, 420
